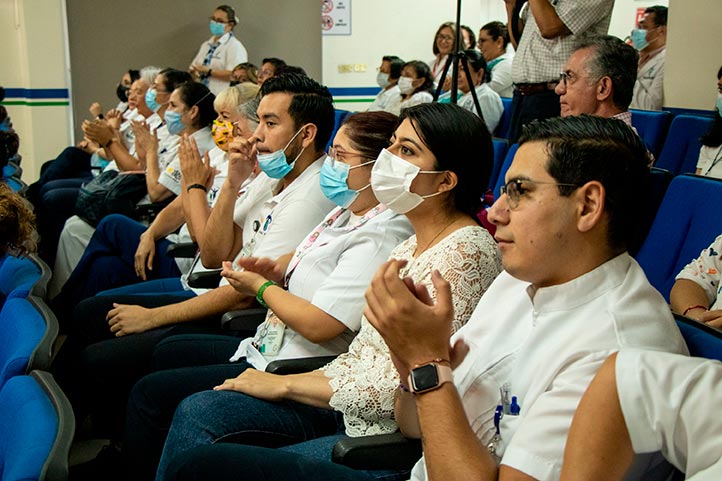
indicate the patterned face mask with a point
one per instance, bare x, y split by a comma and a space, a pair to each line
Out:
222, 131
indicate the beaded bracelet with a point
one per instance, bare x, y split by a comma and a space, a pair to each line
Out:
261, 290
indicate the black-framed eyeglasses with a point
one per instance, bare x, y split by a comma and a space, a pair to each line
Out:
514, 189
565, 77
217, 20
447, 38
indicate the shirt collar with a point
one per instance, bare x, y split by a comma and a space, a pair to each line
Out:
625, 117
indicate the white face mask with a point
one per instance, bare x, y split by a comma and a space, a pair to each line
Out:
406, 85
391, 180
382, 79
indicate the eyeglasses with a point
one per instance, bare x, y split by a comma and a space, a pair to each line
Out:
565, 77
218, 20
514, 189
445, 38
338, 155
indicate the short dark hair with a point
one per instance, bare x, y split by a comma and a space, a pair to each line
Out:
174, 78
276, 62
660, 15
232, 18
290, 69
9, 145
614, 59
311, 103
396, 65
497, 29
461, 143
422, 70
134, 75
476, 62
472, 37
194, 93
586, 148
369, 132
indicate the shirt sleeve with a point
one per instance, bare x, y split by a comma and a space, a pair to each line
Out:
170, 177
580, 15
537, 447
235, 54
705, 270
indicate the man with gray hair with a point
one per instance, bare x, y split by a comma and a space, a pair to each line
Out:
598, 78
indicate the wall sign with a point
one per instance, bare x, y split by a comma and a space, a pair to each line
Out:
336, 17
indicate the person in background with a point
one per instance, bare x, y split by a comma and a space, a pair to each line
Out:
598, 78
710, 155
269, 68
244, 72
493, 41
468, 39
550, 29
214, 62
489, 101
443, 46
17, 224
388, 79
650, 39
415, 85
121, 91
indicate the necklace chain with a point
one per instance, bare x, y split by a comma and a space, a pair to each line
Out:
419, 252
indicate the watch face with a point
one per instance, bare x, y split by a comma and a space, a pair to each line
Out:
424, 377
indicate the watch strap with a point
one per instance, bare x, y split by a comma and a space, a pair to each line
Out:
444, 374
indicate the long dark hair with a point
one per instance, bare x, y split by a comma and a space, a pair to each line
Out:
461, 143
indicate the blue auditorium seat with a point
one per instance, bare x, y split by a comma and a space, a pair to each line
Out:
688, 220
17, 185
28, 330
681, 149
37, 426
500, 148
652, 128
502, 130
23, 276
338, 117
702, 340
12, 170
504, 167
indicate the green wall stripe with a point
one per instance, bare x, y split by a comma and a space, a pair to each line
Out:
352, 100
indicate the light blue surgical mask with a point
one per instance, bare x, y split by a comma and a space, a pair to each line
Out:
639, 39
719, 104
334, 181
275, 165
150, 101
217, 28
173, 122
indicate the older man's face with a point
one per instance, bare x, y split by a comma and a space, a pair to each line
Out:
577, 91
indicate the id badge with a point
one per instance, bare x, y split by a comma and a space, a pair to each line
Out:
248, 248
273, 336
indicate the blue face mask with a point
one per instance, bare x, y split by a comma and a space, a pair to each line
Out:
639, 39
217, 28
334, 178
275, 165
173, 122
150, 100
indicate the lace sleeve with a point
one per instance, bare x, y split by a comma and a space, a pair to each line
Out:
364, 379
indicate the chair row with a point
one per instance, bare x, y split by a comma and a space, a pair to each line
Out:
37, 426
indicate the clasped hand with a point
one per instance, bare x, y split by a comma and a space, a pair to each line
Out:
256, 271
195, 170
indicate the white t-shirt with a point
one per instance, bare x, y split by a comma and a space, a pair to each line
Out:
501, 81
386, 100
670, 404
333, 275
490, 103
545, 346
229, 53
170, 175
417, 99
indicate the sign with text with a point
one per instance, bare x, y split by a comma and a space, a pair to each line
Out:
336, 17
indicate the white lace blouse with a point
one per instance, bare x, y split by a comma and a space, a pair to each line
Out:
364, 379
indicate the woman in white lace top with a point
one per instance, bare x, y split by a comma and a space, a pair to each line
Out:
433, 172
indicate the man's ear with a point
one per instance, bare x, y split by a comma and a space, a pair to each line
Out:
592, 198
605, 89
309, 134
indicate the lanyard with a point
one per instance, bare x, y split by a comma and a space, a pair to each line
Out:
714, 162
302, 250
490, 65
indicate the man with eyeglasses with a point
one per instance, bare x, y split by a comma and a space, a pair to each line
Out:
598, 78
550, 28
570, 296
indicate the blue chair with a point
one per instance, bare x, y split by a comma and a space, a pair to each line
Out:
28, 330
702, 340
652, 128
688, 220
500, 148
504, 167
502, 130
681, 149
23, 276
338, 117
12, 170
37, 424
17, 185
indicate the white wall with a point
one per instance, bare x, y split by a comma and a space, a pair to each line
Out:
34, 57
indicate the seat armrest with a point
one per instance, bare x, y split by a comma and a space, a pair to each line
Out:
182, 250
246, 320
296, 366
205, 279
383, 451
